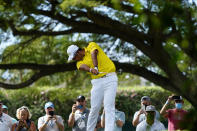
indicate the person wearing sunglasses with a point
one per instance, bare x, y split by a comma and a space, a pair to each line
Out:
176, 115
50, 121
140, 115
150, 123
79, 116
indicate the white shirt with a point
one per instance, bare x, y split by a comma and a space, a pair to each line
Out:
5, 122
156, 126
51, 125
119, 115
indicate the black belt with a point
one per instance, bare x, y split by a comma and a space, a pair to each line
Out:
103, 76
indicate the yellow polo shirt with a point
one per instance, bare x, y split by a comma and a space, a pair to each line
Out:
105, 65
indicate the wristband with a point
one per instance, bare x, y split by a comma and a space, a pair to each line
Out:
167, 102
96, 68
90, 70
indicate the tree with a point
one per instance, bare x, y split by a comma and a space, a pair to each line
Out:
160, 36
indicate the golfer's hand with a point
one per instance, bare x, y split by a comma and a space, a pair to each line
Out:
94, 71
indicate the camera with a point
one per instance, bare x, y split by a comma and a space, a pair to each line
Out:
79, 106
51, 113
176, 97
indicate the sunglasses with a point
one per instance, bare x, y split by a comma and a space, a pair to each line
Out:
80, 100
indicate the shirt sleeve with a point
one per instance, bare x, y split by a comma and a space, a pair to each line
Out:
122, 117
135, 115
14, 121
139, 127
162, 127
60, 120
40, 122
157, 115
79, 63
168, 112
92, 46
10, 122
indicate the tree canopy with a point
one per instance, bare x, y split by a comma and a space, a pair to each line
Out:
154, 39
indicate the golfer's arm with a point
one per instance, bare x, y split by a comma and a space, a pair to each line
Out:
84, 67
94, 57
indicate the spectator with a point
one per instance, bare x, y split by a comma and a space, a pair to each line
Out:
150, 123
119, 120
175, 116
79, 116
5, 110
139, 116
5, 120
24, 123
98, 125
50, 122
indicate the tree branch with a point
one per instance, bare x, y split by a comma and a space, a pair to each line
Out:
45, 70
47, 33
147, 74
32, 66
30, 81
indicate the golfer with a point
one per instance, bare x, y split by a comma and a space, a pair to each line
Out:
104, 81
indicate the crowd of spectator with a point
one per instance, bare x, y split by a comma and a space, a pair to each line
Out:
147, 118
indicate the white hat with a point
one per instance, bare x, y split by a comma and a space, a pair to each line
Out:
72, 49
150, 108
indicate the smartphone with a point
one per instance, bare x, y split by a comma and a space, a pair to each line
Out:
79, 106
51, 113
144, 107
176, 97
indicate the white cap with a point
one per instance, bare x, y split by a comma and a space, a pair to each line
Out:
145, 98
72, 49
150, 108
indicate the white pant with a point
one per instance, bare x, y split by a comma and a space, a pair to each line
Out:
104, 89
